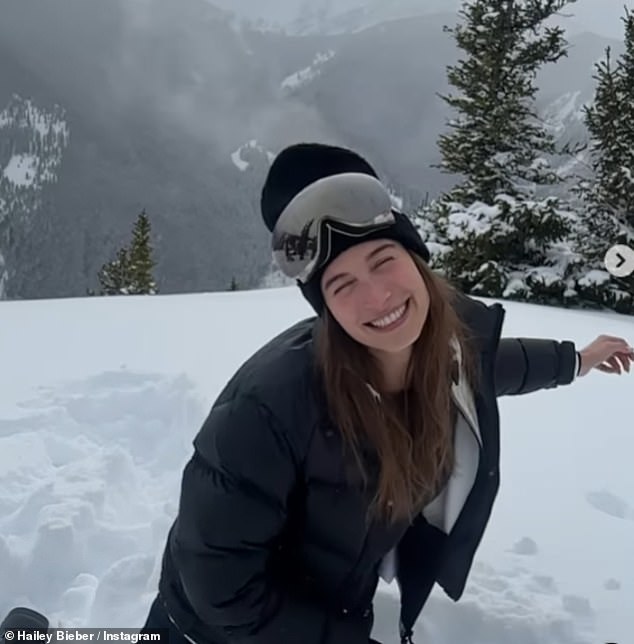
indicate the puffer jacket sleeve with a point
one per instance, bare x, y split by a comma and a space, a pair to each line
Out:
233, 505
525, 365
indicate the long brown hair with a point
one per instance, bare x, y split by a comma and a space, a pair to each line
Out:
409, 435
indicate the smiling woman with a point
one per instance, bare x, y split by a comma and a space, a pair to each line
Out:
389, 318
360, 444
375, 291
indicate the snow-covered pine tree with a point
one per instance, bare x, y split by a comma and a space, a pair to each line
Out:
497, 233
140, 255
608, 214
603, 221
114, 276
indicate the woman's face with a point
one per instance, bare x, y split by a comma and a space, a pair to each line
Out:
377, 294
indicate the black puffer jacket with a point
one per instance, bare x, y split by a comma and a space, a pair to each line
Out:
270, 544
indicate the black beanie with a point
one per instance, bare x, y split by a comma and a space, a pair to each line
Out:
301, 164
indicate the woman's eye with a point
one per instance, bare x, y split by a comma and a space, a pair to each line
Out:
384, 261
340, 288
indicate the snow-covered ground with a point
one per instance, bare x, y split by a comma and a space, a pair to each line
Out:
101, 398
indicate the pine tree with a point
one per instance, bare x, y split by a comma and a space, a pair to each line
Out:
140, 258
497, 233
114, 277
130, 273
608, 214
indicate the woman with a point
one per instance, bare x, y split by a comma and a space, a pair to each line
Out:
359, 444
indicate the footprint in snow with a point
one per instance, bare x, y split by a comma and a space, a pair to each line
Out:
611, 504
543, 584
525, 546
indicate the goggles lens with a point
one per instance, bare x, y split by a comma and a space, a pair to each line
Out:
352, 204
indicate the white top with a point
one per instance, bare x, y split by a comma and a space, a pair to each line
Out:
444, 510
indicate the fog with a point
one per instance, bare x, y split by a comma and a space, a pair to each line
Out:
602, 17
599, 16
159, 93
195, 60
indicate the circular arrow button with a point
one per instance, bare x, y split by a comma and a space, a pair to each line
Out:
619, 260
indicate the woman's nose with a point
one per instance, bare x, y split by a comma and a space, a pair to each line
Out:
375, 294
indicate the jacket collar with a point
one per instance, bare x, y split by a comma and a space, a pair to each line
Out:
483, 321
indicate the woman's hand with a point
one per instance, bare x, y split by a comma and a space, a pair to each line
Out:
607, 354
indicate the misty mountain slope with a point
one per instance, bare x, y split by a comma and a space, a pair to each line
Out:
304, 17
67, 45
172, 107
152, 123
566, 87
32, 144
310, 17
335, 18
380, 91
31, 151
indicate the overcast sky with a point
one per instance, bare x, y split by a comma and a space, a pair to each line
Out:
599, 16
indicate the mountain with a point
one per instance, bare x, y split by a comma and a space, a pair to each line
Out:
153, 104
326, 17
32, 143
566, 87
107, 108
380, 89
302, 17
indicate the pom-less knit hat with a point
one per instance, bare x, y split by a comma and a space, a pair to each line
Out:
301, 164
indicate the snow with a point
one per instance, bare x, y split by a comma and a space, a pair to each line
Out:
397, 200
565, 109
37, 138
21, 169
101, 398
252, 145
274, 278
24, 114
237, 160
304, 76
595, 278
478, 219
568, 105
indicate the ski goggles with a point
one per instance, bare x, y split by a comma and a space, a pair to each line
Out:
352, 204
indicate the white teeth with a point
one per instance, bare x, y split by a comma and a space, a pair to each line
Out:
391, 318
